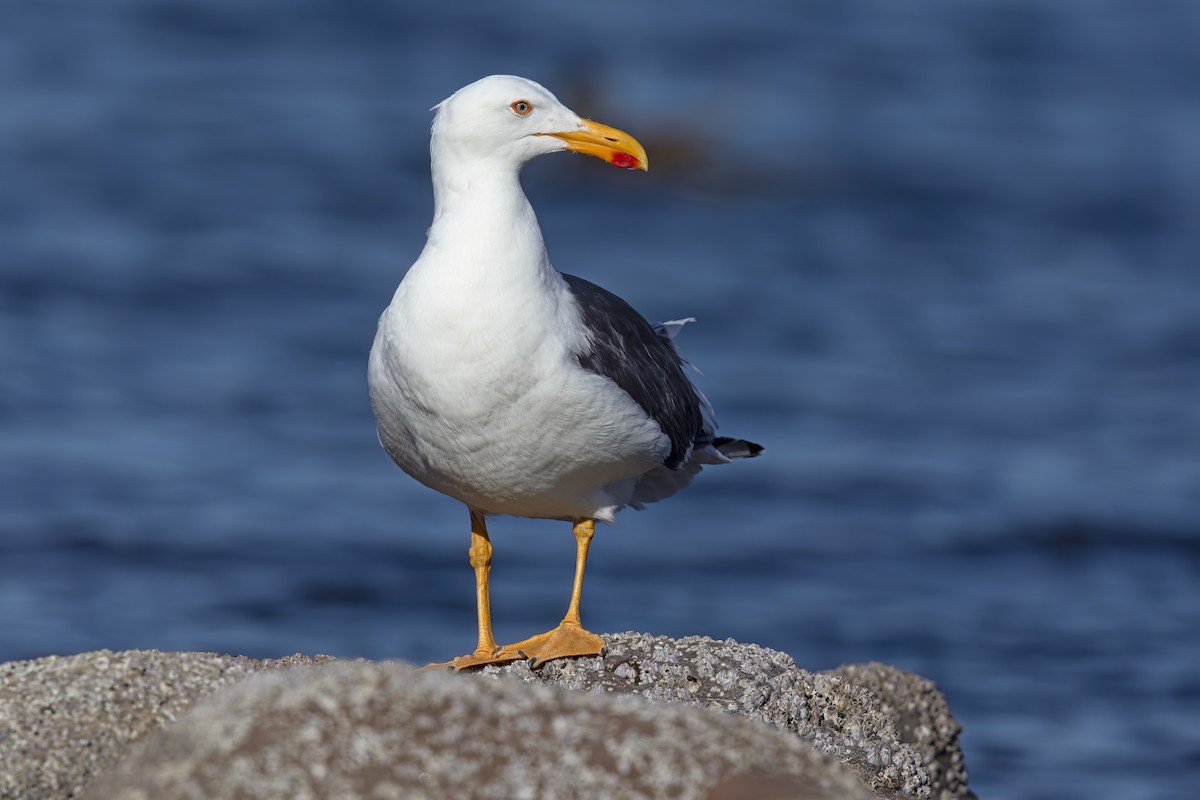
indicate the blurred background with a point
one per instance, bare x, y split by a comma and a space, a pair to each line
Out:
944, 262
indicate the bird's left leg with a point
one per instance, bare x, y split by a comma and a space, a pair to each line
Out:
569, 638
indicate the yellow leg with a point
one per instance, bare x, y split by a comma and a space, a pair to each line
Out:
569, 638
480, 554
583, 530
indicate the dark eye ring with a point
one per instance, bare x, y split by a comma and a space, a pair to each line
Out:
521, 107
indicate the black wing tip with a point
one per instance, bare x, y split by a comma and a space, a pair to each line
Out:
736, 448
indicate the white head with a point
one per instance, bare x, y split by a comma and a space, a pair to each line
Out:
504, 121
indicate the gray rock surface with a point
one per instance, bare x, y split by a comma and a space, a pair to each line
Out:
893, 728
922, 720
63, 720
357, 730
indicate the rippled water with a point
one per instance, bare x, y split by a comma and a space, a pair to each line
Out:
944, 258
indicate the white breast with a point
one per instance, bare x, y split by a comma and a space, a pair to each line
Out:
477, 394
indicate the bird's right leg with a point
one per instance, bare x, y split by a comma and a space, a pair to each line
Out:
486, 652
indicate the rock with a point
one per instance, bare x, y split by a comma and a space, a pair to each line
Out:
893, 728
922, 719
65, 719
358, 730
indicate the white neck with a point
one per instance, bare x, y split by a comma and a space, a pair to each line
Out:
481, 217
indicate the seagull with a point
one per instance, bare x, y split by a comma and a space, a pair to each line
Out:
517, 389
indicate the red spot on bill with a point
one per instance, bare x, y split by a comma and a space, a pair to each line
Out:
623, 160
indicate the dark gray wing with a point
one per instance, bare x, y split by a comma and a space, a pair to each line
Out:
628, 350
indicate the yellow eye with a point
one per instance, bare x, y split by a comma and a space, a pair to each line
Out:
522, 107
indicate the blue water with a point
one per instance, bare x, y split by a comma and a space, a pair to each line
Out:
944, 258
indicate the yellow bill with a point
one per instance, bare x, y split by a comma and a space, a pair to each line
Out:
609, 144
